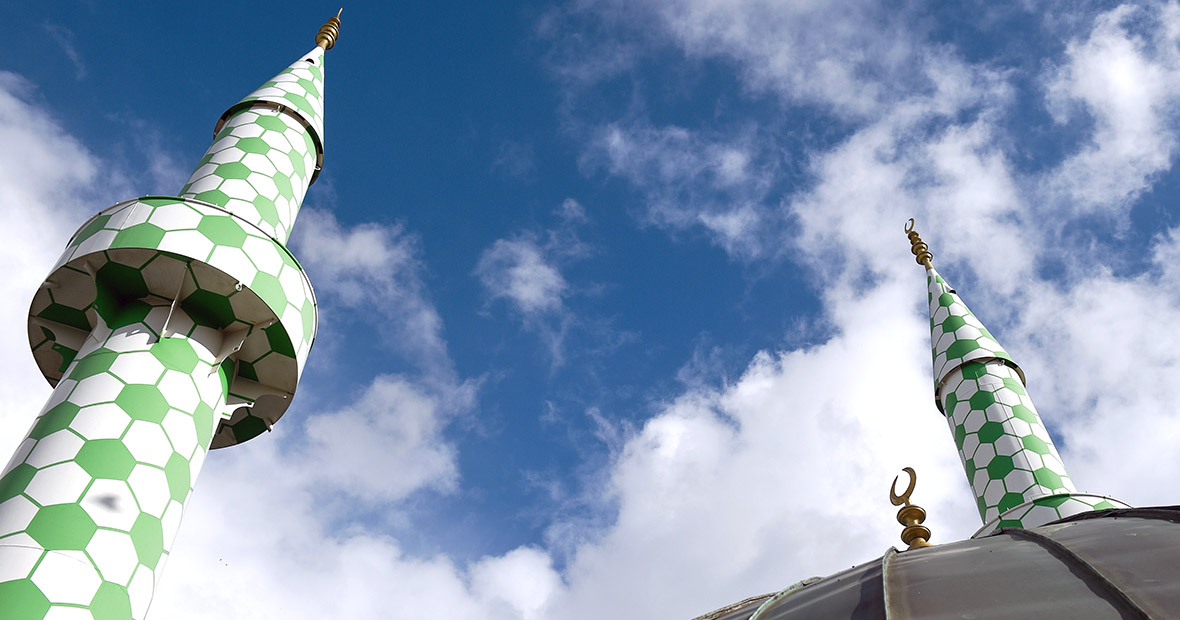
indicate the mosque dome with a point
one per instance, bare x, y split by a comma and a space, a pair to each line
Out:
1098, 565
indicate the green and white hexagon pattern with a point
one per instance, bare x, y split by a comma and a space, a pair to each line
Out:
267, 150
1010, 460
171, 325
92, 499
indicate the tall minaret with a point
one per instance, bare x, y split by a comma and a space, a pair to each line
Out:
1010, 460
170, 325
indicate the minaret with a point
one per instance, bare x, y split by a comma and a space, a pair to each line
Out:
1010, 460
169, 326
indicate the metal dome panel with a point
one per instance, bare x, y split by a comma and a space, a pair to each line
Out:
1105, 564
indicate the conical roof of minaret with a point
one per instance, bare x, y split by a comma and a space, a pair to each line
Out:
956, 335
298, 90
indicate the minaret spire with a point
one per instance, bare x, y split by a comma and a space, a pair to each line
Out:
171, 325
1013, 467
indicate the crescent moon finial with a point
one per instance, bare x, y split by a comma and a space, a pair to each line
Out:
903, 498
914, 534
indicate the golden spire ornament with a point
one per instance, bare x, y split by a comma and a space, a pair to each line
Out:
911, 516
326, 37
919, 248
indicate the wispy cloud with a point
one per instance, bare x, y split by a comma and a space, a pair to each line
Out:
690, 180
525, 271
375, 271
392, 432
516, 159
850, 66
64, 37
853, 58
145, 161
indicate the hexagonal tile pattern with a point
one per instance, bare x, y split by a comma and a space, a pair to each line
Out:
266, 153
1053, 507
957, 336
1010, 461
111, 602
169, 325
99, 492
299, 89
993, 440
239, 281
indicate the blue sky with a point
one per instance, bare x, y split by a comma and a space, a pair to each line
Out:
614, 293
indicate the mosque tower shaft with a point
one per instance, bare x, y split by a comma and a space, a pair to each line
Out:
1012, 466
171, 325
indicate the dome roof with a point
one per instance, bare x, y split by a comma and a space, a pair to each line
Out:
1104, 564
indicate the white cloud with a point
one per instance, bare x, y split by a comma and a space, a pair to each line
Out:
1124, 75
47, 178
853, 65
268, 544
386, 445
1106, 359
525, 270
516, 270
518, 584
956, 183
784, 474
280, 518
804, 51
157, 168
571, 211
374, 270
280, 548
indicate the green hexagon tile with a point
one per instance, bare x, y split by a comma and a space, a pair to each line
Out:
171, 325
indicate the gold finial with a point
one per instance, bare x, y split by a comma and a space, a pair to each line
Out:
329, 32
915, 534
917, 246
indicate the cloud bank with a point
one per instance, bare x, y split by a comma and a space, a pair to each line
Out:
726, 489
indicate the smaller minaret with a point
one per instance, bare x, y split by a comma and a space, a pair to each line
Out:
1011, 463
